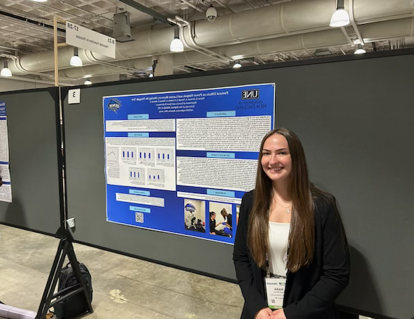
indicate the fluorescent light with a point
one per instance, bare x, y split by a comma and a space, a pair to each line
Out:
75, 60
39, 0
151, 75
176, 44
88, 81
360, 50
237, 65
6, 71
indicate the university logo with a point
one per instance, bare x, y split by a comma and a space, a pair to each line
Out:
250, 94
114, 105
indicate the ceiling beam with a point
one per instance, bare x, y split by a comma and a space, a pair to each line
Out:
157, 16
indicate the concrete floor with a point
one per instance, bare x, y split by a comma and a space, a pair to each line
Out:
123, 287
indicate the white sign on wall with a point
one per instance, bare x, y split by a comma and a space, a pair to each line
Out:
87, 39
74, 96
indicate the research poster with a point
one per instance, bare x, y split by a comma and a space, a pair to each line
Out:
180, 162
5, 190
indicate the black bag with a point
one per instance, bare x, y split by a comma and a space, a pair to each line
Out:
75, 305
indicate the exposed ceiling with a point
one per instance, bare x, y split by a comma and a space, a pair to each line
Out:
253, 31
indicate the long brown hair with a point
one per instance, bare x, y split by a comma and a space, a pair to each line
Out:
302, 225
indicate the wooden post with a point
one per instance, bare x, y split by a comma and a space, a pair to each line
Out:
56, 46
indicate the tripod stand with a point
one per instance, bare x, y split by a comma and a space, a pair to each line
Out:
65, 248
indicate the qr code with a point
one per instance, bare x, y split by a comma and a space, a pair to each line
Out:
139, 217
272, 301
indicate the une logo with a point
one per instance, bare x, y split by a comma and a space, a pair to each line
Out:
250, 94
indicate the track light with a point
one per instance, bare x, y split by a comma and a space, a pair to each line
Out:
176, 44
340, 17
75, 60
236, 65
6, 71
360, 50
88, 81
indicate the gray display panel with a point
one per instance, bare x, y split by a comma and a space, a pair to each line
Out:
354, 120
31, 121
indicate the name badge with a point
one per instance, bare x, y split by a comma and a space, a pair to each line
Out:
275, 289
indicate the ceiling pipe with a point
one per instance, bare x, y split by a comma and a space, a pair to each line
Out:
353, 23
276, 21
307, 41
51, 83
193, 45
99, 70
321, 39
192, 5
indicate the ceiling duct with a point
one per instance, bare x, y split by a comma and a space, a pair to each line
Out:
277, 28
122, 27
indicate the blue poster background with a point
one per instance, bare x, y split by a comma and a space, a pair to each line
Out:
250, 100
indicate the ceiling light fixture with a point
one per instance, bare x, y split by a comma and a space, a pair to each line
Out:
360, 50
88, 81
340, 17
6, 71
75, 60
237, 65
176, 44
39, 0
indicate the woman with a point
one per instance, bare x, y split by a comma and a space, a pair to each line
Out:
297, 228
213, 223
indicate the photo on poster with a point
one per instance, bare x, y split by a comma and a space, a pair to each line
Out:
194, 215
237, 213
221, 219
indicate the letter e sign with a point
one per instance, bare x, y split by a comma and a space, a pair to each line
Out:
74, 96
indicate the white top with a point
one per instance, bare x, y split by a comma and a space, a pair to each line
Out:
278, 242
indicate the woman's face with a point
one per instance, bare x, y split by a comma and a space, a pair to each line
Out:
213, 217
276, 161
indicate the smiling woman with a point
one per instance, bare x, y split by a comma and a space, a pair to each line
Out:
290, 234
276, 161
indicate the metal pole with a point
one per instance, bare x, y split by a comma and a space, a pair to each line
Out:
55, 48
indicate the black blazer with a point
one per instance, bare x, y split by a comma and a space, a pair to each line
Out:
311, 291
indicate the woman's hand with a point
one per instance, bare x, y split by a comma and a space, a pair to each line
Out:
265, 313
278, 314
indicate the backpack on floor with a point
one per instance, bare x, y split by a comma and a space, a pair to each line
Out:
76, 304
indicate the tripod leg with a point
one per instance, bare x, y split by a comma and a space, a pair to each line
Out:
53, 278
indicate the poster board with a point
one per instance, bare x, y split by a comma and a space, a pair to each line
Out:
345, 137
32, 121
